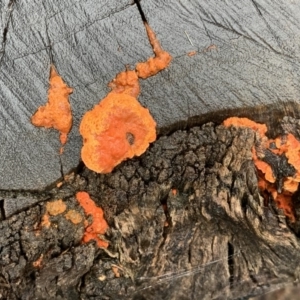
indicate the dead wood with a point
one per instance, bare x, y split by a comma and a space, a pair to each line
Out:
246, 55
215, 240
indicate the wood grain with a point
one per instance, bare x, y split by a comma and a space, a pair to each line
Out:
247, 56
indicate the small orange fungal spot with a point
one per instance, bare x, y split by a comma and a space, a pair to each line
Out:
59, 184
290, 185
192, 53
57, 111
73, 216
116, 271
98, 225
55, 208
46, 221
38, 262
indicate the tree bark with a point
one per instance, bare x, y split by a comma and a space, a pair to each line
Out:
186, 222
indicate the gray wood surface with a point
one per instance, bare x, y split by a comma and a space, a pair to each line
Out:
254, 61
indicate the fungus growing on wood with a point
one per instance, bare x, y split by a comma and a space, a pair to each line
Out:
126, 82
73, 216
56, 207
116, 129
245, 122
277, 162
192, 53
57, 111
119, 127
154, 64
98, 225
263, 167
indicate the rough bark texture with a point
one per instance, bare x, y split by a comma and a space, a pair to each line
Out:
215, 240
247, 54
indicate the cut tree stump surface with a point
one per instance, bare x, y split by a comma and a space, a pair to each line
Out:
247, 56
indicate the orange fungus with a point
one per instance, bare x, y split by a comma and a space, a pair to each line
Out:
57, 111
73, 216
56, 207
192, 53
154, 64
99, 225
119, 127
116, 129
244, 122
126, 82
285, 149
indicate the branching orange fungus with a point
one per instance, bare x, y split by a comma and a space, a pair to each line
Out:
277, 162
154, 64
57, 111
98, 226
119, 127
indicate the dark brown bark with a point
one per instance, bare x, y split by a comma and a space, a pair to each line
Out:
221, 242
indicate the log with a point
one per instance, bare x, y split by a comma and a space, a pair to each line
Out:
245, 58
186, 221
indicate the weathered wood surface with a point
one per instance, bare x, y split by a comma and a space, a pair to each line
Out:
222, 242
247, 55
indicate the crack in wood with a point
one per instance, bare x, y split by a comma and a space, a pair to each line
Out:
139, 7
10, 7
2, 211
231, 263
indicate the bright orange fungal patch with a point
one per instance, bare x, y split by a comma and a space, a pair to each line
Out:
114, 130
99, 225
57, 111
119, 127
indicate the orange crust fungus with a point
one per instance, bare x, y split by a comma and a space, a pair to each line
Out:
273, 158
73, 216
119, 127
57, 111
116, 129
98, 225
192, 53
126, 82
56, 207
154, 64
244, 122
